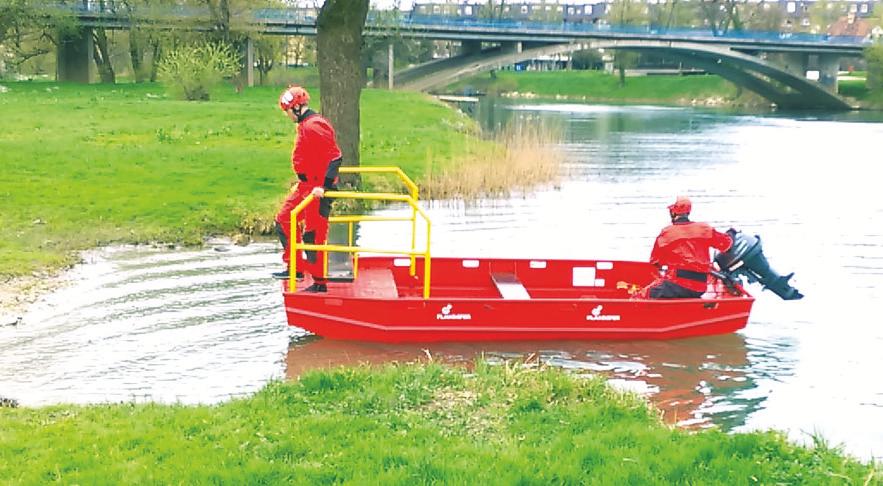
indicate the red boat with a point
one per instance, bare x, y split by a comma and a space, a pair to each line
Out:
499, 299
422, 299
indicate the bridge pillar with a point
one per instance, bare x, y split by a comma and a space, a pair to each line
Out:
828, 66
511, 47
74, 55
795, 63
468, 47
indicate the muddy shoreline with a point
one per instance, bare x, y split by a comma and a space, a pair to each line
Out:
17, 293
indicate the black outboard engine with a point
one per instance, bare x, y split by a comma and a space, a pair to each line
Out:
746, 258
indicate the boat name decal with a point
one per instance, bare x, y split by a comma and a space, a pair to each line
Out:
445, 314
596, 315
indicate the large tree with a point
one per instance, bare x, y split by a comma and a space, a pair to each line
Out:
627, 13
268, 51
673, 14
25, 32
101, 54
339, 43
145, 43
721, 15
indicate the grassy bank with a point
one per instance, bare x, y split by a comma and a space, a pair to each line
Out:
90, 165
600, 86
415, 424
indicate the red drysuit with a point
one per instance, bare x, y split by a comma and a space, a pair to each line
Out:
316, 161
684, 247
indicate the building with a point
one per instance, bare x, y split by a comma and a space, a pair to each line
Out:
854, 26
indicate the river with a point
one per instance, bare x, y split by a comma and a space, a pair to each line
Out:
196, 326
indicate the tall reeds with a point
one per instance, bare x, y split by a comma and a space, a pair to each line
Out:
525, 156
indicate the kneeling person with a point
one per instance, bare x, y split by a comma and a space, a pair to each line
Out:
683, 247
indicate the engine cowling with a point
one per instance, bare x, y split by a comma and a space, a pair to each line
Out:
746, 258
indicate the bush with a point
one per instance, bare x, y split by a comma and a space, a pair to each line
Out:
874, 57
587, 59
191, 71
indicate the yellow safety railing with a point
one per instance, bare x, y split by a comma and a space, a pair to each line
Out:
411, 199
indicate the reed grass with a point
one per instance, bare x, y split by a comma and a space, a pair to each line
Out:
404, 424
525, 156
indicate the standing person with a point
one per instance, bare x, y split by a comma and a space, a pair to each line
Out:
316, 160
683, 249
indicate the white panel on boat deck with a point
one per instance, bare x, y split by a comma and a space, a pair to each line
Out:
584, 276
509, 286
372, 283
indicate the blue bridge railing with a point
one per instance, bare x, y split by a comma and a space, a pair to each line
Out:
409, 21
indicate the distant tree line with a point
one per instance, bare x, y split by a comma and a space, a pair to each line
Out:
30, 32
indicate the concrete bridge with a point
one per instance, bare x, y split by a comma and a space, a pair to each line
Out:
774, 65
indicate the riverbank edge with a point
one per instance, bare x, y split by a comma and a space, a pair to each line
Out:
19, 293
515, 420
706, 102
709, 102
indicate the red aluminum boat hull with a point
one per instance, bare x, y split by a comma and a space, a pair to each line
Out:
384, 303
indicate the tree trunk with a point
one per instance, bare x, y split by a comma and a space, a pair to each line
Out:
101, 54
154, 59
136, 53
339, 28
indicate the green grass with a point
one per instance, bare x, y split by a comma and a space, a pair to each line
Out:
855, 88
414, 424
89, 165
599, 86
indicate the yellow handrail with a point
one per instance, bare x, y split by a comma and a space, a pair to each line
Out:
413, 190
410, 198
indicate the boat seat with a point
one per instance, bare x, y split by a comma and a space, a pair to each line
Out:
509, 286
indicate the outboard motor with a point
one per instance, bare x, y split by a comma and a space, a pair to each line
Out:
746, 258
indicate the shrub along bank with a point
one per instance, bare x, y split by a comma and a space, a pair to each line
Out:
85, 165
414, 424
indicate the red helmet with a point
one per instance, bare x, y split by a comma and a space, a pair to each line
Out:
682, 205
293, 96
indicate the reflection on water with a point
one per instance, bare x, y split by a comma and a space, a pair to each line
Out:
695, 382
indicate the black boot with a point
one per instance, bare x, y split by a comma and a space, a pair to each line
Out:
283, 275
317, 287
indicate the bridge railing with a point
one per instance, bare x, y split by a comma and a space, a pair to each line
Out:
653, 31
407, 20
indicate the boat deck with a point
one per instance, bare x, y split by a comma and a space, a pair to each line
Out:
388, 279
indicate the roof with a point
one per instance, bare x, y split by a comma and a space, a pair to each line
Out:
851, 25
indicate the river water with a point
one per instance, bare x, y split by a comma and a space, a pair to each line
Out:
204, 325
